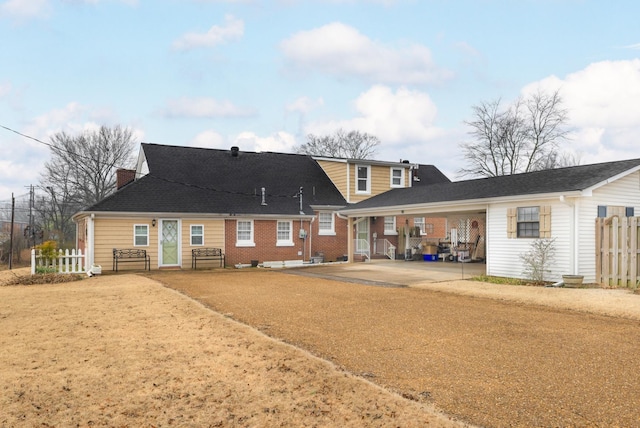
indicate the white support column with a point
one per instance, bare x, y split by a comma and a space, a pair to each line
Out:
350, 240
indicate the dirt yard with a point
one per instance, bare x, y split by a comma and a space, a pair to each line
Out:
121, 350
487, 361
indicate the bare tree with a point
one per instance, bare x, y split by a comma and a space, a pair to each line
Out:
81, 172
351, 145
525, 137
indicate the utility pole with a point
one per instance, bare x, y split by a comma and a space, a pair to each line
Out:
13, 212
31, 226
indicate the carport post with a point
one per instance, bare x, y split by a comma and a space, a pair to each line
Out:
350, 240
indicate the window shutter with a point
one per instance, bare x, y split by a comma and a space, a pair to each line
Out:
512, 223
545, 221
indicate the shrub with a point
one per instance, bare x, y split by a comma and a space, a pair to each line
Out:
48, 250
538, 260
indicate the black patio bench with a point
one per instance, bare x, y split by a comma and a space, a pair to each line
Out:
130, 255
206, 254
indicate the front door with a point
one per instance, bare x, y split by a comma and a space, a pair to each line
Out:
362, 237
169, 248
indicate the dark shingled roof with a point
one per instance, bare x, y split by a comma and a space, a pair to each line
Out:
568, 179
197, 180
429, 174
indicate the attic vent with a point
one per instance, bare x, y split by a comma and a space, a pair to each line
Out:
234, 151
264, 196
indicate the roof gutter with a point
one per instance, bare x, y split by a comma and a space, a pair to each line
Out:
444, 206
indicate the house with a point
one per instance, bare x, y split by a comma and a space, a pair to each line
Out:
255, 206
358, 180
495, 219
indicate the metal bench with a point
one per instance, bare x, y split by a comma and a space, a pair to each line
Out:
206, 254
130, 255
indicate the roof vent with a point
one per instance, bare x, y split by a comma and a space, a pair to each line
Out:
234, 151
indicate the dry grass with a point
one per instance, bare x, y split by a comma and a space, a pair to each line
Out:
125, 351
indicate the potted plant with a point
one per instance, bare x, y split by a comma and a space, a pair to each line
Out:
572, 280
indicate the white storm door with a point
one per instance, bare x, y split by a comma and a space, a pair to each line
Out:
362, 237
169, 243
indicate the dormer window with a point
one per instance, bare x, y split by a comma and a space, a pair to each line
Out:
397, 177
363, 179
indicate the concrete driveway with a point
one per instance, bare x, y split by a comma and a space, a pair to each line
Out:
393, 273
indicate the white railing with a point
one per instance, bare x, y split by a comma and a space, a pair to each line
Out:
389, 249
64, 262
362, 248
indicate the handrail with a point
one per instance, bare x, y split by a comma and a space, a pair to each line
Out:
361, 246
389, 249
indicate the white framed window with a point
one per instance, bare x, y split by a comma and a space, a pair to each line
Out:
284, 233
363, 179
197, 235
397, 177
326, 225
140, 235
244, 233
390, 226
419, 222
528, 222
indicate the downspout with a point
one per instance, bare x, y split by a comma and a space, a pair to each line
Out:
350, 240
311, 236
574, 234
89, 245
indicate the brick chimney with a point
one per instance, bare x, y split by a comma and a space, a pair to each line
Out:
124, 177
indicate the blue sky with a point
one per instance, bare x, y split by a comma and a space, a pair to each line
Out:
264, 74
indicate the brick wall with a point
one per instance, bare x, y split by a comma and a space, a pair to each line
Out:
265, 237
332, 246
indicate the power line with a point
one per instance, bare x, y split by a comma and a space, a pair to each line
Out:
26, 136
51, 146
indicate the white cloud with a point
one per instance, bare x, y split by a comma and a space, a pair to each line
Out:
25, 159
602, 102
26, 8
233, 29
634, 46
393, 117
303, 105
5, 89
279, 142
208, 139
340, 50
204, 108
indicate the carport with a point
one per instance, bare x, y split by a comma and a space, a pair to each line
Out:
464, 239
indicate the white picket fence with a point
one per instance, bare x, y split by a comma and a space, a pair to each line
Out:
65, 262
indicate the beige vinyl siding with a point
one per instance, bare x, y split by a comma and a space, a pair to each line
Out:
213, 237
380, 181
113, 233
337, 173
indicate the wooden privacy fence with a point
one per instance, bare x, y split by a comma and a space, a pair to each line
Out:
63, 262
617, 251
